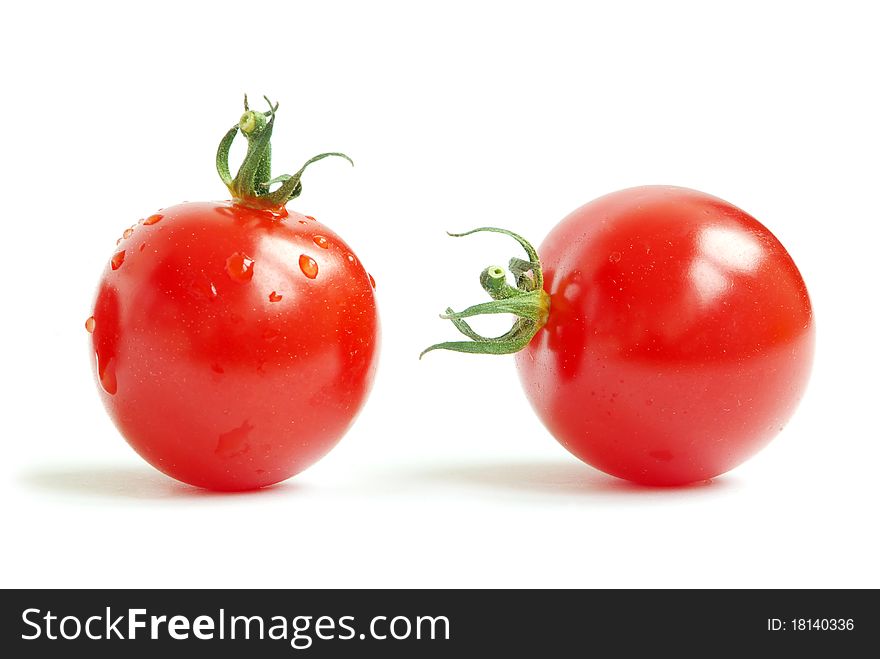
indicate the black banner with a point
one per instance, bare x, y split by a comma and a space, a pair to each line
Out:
435, 623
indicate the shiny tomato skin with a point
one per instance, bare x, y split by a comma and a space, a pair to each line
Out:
680, 336
233, 347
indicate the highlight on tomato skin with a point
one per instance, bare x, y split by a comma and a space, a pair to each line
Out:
234, 342
679, 338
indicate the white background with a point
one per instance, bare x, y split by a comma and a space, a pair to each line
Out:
458, 115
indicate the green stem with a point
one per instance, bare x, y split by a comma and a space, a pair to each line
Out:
251, 185
527, 301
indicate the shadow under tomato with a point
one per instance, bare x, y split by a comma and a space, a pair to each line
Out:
141, 483
567, 478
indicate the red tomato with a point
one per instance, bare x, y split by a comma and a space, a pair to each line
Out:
679, 340
664, 337
233, 345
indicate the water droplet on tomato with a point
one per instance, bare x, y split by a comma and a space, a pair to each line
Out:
309, 217
274, 214
90, 324
235, 442
308, 266
372, 281
106, 374
117, 260
302, 221
614, 257
141, 248
351, 258
127, 233
153, 219
321, 242
202, 289
240, 268
217, 368
270, 334
275, 297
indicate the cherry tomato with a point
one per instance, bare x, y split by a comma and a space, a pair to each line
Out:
679, 336
234, 345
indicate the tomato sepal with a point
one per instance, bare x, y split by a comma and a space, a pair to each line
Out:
527, 301
251, 186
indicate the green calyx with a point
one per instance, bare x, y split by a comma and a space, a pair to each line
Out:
252, 185
527, 301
